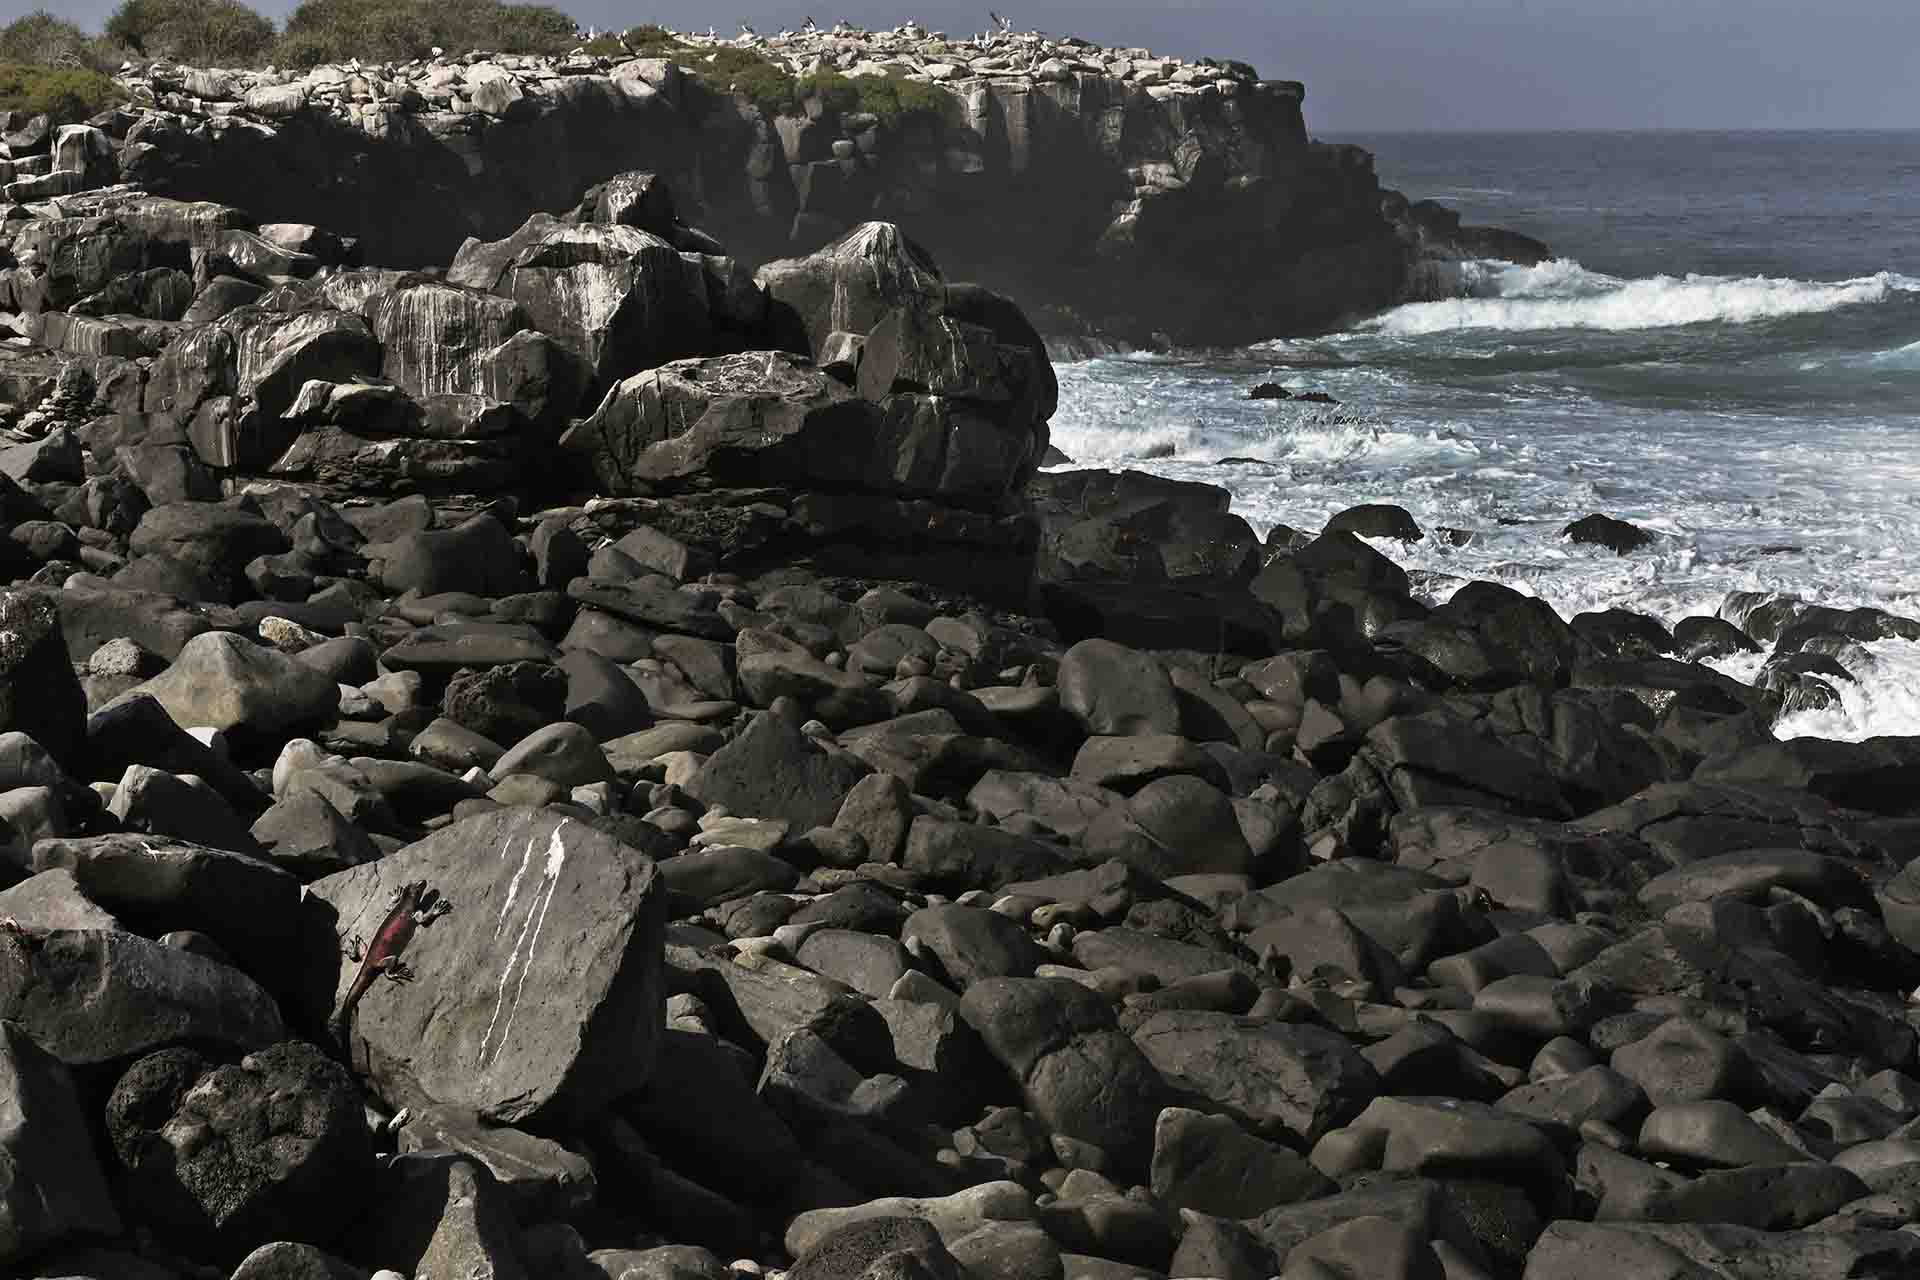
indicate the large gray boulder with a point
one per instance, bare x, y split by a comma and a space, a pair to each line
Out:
39, 694
537, 999
772, 770
618, 297
1274, 1078
95, 995
850, 285
1080, 1075
224, 681
51, 1187
434, 336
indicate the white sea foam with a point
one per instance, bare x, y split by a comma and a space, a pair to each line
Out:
1562, 294
1884, 699
1759, 470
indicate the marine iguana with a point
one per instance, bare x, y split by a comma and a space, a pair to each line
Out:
414, 907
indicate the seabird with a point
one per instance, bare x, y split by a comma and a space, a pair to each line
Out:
745, 29
811, 26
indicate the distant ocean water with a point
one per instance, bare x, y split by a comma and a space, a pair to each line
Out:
1725, 351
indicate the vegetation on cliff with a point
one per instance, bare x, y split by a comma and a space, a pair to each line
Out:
44, 39
226, 33
213, 33
397, 30
65, 94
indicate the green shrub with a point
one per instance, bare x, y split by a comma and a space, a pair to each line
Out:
304, 50
199, 32
768, 83
40, 37
892, 97
397, 30
67, 94
337, 30
606, 47
461, 26
649, 40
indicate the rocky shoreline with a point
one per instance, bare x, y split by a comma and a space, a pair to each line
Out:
1117, 192
860, 853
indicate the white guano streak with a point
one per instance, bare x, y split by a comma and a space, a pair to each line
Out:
528, 942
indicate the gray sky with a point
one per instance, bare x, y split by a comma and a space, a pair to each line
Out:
1443, 64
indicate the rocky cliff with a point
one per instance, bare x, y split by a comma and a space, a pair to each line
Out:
1110, 190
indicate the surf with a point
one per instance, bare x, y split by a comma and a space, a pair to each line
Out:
1563, 294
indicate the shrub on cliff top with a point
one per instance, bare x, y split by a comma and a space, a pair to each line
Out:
199, 32
650, 40
67, 94
769, 83
49, 41
397, 30
891, 97
40, 37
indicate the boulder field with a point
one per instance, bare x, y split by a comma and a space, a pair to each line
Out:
1137, 196
839, 847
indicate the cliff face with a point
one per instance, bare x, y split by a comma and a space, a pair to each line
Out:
1109, 191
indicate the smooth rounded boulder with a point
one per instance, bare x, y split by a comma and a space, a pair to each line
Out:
224, 681
1116, 691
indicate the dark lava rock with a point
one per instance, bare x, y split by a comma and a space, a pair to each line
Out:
1616, 536
223, 1159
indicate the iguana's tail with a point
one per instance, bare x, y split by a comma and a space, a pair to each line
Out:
340, 1032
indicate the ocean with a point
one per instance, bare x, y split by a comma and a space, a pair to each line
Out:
1725, 351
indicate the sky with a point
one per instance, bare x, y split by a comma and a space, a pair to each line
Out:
1377, 65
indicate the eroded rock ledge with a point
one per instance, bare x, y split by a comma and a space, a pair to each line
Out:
1110, 190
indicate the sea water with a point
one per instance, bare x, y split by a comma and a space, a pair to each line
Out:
1725, 351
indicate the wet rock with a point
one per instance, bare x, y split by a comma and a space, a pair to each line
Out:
1616, 536
1376, 520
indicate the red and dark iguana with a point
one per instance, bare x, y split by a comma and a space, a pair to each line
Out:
414, 907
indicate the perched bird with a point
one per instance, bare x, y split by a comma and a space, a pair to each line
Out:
811, 25
745, 29
713, 33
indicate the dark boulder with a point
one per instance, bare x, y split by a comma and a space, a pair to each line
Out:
222, 1159
1616, 536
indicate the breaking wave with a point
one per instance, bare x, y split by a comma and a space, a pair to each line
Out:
1562, 294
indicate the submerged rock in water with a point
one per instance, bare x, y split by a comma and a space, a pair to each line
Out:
1616, 536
